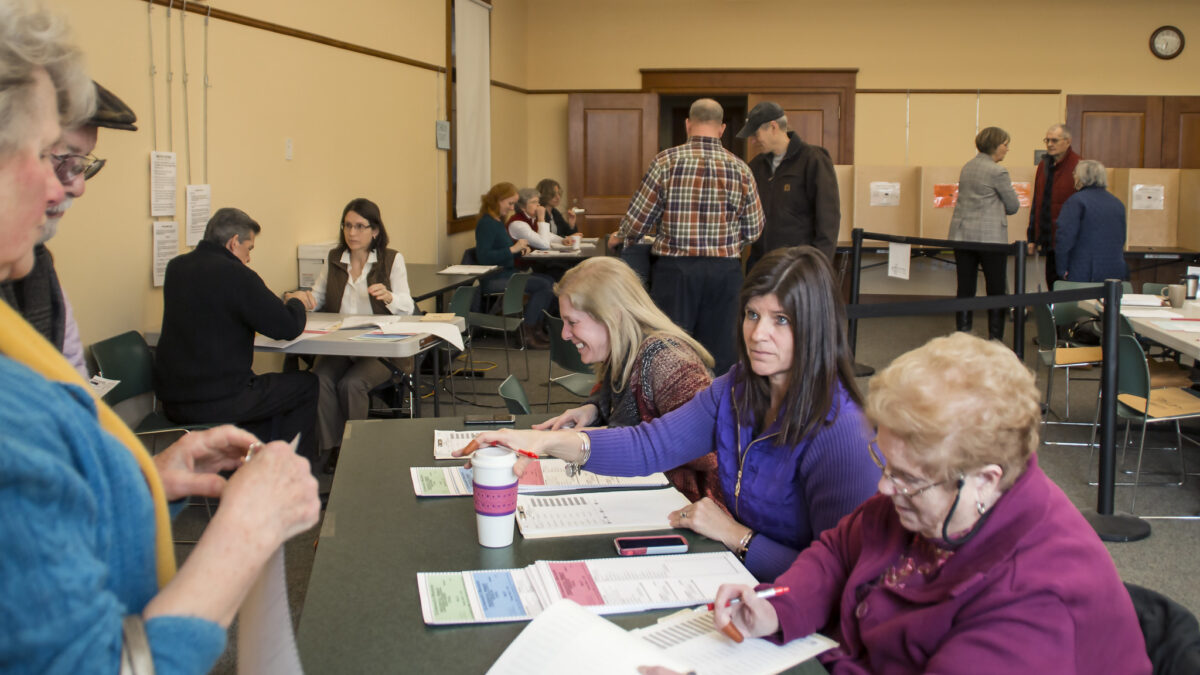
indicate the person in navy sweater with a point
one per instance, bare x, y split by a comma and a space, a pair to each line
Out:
1091, 229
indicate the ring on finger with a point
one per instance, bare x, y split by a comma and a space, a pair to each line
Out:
250, 450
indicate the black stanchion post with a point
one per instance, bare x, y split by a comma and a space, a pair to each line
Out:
1019, 289
1110, 526
856, 236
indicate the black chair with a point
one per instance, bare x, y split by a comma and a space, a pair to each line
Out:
1171, 632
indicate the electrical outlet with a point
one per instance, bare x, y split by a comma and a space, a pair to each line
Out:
287, 149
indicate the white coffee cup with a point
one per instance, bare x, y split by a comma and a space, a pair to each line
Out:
1175, 294
495, 488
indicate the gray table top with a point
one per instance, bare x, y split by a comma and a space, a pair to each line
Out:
362, 611
425, 282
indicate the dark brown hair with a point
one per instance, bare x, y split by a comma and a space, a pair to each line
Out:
802, 281
369, 211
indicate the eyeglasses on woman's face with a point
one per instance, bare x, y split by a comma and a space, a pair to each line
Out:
356, 227
904, 486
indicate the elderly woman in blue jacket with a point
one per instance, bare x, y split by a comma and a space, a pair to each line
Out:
1090, 242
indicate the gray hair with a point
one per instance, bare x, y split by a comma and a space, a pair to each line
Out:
227, 222
706, 110
33, 38
524, 195
1089, 172
1064, 129
782, 123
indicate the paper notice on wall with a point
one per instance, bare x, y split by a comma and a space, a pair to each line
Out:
199, 208
1148, 197
885, 194
945, 195
166, 246
1024, 192
162, 183
899, 256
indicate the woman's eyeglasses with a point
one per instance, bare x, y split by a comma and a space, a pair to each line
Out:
902, 486
356, 227
67, 167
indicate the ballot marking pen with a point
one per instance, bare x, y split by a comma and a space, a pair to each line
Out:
730, 629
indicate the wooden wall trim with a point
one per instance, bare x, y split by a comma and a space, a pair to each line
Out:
223, 15
959, 91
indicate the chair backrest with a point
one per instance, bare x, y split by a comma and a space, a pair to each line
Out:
514, 294
1133, 375
1152, 288
125, 357
1047, 336
1067, 313
468, 257
563, 353
460, 302
514, 396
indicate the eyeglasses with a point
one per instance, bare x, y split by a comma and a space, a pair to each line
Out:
67, 167
356, 227
1049, 141
902, 487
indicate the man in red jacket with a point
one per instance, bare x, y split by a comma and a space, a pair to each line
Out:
1055, 182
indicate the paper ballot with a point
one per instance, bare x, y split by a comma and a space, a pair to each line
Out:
542, 516
545, 475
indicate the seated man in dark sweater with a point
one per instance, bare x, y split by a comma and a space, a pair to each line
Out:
213, 304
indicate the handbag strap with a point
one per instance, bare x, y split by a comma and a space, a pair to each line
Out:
135, 647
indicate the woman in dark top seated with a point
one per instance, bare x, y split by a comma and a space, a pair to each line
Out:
1090, 240
493, 246
551, 196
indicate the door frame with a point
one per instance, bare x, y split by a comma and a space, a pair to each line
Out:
840, 81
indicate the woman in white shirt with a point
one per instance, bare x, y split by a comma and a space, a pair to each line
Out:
363, 276
528, 222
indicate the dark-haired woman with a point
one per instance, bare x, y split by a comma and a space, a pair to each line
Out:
985, 200
363, 276
786, 422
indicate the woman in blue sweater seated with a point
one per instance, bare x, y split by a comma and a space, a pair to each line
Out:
786, 423
493, 246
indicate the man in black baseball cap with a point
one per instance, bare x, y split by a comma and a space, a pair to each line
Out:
796, 184
39, 297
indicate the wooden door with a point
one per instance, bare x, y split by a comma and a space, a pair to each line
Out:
814, 117
611, 139
1181, 132
1118, 131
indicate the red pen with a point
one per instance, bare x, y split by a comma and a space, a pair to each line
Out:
764, 593
519, 451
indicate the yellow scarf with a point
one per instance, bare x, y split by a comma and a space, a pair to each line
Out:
20, 342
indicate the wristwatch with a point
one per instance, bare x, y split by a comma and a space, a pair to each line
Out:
573, 468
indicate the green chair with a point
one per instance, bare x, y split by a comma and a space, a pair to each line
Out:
514, 396
1152, 288
1135, 398
512, 314
126, 357
1070, 313
579, 380
460, 304
1056, 356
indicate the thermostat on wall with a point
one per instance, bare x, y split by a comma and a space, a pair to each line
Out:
442, 133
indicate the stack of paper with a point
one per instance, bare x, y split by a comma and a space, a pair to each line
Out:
546, 475
605, 586
566, 638
1141, 300
468, 269
542, 516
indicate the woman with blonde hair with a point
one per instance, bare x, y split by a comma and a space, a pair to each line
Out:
970, 558
646, 366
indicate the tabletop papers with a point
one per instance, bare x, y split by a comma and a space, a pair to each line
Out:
445, 442
603, 585
1141, 300
1149, 313
467, 269
543, 516
568, 638
545, 253
1178, 325
541, 476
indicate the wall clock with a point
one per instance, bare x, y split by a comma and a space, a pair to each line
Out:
1166, 42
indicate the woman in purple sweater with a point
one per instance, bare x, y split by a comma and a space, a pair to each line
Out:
970, 559
785, 422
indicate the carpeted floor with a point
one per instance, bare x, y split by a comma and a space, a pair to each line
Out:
1163, 562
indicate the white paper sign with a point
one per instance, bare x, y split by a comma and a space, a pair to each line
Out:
899, 257
162, 183
166, 246
1148, 197
885, 194
199, 209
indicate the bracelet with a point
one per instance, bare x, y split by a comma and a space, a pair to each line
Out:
585, 454
744, 545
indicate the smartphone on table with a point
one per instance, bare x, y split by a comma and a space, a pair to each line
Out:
490, 418
652, 545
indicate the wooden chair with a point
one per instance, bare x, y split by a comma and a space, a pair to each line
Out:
1056, 355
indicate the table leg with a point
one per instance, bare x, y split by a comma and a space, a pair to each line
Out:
437, 382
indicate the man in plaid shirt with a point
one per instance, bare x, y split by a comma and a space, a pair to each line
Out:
703, 200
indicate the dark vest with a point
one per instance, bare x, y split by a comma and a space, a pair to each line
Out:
339, 276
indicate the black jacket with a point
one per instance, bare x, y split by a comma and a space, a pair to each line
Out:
212, 307
800, 200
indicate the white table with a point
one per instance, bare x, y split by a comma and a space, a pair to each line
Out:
1186, 343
